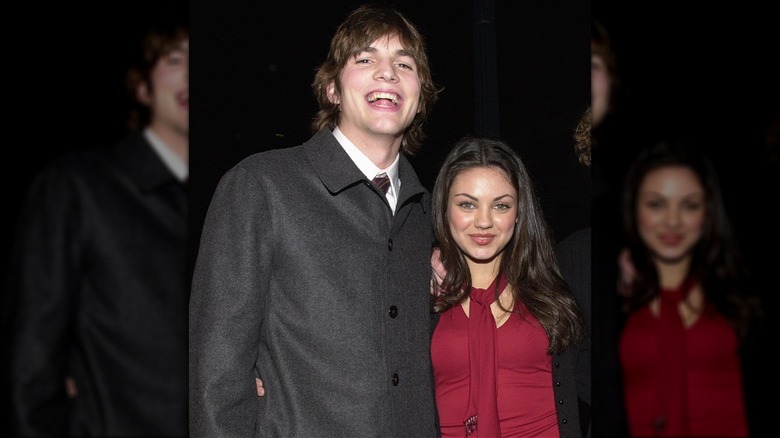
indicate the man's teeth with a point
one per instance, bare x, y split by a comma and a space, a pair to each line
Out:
389, 96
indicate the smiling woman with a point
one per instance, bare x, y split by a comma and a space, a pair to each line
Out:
505, 314
690, 310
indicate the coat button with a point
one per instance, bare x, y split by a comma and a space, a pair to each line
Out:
557, 364
393, 311
560, 402
395, 379
390, 245
565, 421
558, 384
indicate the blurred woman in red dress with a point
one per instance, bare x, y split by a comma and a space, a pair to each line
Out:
689, 311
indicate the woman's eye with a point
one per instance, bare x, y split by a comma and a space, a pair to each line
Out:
693, 206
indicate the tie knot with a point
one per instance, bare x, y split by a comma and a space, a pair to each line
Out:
382, 181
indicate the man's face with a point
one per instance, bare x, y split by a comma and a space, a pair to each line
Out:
169, 94
380, 92
600, 88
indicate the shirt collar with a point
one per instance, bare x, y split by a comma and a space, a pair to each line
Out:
175, 164
366, 166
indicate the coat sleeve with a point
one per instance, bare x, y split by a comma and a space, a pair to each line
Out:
42, 282
582, 370
226, 308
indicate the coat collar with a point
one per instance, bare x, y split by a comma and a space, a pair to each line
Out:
143, 165
337, 171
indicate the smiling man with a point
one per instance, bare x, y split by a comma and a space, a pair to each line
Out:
313, 277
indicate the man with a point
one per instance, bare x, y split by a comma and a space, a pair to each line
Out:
99, 274
309, 275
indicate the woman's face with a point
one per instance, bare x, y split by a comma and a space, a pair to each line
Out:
670, 212
482, 207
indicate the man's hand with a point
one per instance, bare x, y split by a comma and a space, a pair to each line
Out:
260, 389
627, 273
438, 272
71, 390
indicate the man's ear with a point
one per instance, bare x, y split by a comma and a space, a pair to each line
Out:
332, 96
142, 94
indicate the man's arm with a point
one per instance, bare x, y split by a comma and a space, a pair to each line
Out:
226, 308
44, 272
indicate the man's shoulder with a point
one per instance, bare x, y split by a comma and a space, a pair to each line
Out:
272, 158
576, 239
78, 161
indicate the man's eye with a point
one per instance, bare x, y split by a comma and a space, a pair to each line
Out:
175, 59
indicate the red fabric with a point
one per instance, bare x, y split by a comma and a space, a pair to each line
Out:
678, 381
525, 403
482, 413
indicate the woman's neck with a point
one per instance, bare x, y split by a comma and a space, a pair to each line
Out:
672, 274
483, 274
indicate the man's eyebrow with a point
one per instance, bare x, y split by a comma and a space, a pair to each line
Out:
399, 52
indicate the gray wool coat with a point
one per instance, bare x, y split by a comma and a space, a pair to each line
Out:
306, 278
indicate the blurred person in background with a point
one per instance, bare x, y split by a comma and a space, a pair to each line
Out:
608, 163
98, 279
603, 72
692, 313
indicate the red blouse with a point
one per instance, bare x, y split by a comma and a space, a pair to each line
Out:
709, 400
526, 405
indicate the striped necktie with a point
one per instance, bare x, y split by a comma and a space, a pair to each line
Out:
382, 181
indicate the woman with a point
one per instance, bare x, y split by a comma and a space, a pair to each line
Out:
680, 346
510, 349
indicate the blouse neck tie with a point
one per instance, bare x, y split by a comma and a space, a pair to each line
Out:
483, 390
671, 420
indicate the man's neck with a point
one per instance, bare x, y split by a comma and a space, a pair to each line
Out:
177, 142
382, 150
